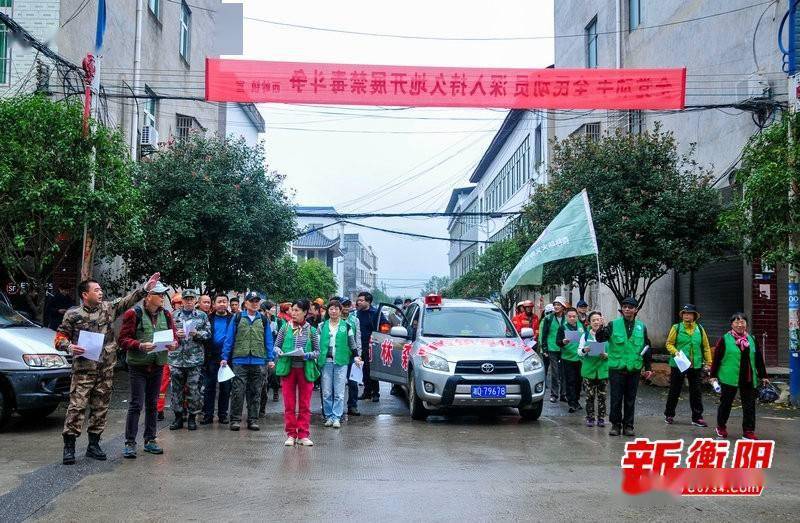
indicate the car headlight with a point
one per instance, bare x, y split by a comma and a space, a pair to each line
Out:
432, 361
44, 360
532, 363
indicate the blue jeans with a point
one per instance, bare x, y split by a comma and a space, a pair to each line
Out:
334, 379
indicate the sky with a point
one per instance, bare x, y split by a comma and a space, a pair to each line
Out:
370, 159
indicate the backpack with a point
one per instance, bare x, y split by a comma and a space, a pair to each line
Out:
140, 312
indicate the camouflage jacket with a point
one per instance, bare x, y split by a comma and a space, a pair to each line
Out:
97, 319
191, 352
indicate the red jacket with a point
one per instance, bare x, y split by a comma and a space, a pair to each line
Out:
522, 321
127, 334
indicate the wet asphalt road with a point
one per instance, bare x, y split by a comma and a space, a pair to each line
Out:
382, 465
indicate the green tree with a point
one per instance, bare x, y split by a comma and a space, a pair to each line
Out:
763, 218
488, 276
380, 296
46, 165
435, 284
654, 209
216, 217
314, 280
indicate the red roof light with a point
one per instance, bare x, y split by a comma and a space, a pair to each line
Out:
433, 300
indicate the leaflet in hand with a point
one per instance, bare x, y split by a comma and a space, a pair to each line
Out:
161, 339
596, 348
92, 343
356, 373
189, 329
572, 336
296, 352
682, 361
224, 374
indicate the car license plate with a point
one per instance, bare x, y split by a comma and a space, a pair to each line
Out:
488, 391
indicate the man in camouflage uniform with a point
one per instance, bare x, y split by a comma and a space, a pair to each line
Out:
92, 380
186, 363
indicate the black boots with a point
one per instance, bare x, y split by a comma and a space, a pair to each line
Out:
616, 429
178, 423
94, 450
69, 450
192, 423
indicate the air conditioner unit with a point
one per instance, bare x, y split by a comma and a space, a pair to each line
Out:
149, 137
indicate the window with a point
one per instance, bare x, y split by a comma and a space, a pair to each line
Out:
593, 131
183, 126
5, 48
537, 146
155, 7
186, 27
150, 107
634, 14
635, 124
591, 44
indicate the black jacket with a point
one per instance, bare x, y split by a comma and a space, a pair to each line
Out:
214, 353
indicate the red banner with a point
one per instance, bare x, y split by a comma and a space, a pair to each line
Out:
309, 83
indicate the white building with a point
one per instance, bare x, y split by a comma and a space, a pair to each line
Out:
731, 55
323, 242
241, 120
504, 179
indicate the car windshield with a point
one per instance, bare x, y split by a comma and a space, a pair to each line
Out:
11, 318
466, 322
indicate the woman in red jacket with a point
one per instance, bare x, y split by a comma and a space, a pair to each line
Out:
525, 317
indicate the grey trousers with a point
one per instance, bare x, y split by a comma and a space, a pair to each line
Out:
246, 383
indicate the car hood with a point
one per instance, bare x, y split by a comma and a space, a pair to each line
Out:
30, 340
458, 349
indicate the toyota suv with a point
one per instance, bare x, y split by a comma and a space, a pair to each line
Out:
457, 353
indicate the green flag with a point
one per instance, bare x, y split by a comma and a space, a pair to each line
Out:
569, 235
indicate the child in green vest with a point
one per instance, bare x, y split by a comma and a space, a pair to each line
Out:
688, 337
738, 365
568, 338
594, 371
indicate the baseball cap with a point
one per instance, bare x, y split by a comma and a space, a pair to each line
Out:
159, 288
252, 295
190, 293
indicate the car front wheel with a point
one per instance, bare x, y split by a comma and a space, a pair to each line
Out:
418, 410
531, 412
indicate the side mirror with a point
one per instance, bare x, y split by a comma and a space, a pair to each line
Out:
527, 332
398, 332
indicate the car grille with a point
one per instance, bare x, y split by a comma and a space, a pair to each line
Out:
476, 367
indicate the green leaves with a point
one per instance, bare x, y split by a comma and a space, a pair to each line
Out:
46, 165
215, 216
653, 209
762, 218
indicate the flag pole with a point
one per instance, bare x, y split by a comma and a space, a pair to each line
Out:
592, 231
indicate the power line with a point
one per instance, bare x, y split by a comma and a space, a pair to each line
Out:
345, 216
493, 38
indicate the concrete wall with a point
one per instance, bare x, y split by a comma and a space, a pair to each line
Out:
41, 19
238, 124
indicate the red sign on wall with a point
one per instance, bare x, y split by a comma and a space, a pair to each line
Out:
309, 83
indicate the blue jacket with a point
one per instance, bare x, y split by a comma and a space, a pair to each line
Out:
231, 339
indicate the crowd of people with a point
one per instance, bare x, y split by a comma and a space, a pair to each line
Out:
582, 351
296, 346
291, 347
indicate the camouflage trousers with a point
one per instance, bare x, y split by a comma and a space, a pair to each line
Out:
595, 390
186, 397
89, 389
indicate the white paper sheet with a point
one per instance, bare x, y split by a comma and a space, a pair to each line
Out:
572, 336
162, 339
596, 348
188, 329
296, 352
224, 374
92, 342
682, 361
357, 374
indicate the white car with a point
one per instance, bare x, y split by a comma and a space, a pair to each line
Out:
457, 353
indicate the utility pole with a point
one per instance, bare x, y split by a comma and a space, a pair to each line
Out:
137, 64
87, 256
794, 278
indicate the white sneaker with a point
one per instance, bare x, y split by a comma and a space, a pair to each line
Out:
337, 424
328, 422
305, 442
289, 442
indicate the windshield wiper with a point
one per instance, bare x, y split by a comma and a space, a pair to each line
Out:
435, 335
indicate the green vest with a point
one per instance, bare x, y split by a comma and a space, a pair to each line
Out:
594, 367
691, 346
249, 338
284, 365
144, 333
569, 352
624, 353
551, 335
732, 359
343, 353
